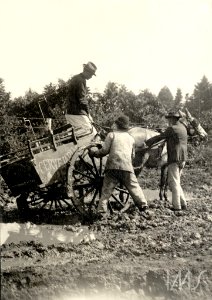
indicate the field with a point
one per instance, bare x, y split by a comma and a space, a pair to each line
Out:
167, 256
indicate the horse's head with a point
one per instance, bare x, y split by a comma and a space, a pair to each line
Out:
193, 126
194, 129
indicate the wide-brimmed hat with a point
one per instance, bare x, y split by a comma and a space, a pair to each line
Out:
90, 67
123, 122
173, 114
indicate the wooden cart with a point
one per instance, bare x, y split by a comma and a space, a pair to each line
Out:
40, 174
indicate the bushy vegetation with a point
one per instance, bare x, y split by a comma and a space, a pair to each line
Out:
145, 109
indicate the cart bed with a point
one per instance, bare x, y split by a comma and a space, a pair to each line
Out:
44, 161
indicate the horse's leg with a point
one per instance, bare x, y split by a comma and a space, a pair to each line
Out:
166, 183
161, 185
163, 182
144, 157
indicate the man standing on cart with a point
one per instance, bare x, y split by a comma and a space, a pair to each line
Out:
77, 107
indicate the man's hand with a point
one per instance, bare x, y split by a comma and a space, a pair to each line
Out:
145, 147
92, 151
95, 145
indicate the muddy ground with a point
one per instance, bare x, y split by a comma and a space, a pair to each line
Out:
124, 257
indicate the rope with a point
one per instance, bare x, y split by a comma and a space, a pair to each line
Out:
101, 126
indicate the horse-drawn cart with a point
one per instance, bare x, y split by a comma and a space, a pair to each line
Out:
40, 174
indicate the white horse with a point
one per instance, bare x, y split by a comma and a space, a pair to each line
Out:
157, 155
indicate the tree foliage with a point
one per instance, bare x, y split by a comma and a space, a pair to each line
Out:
4, 98
144, 108
201, 99
178, 99
165, 97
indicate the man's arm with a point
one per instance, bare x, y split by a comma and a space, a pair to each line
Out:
81, 91
105, 147
163, 136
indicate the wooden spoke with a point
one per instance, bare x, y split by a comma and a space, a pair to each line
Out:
86, 194
83, 174
94, 197
60, 205
66, 202
110, 207
94, 164
55, 204
35, 200
100, 166
39, 201
100, 193
90, 169
51, 205
128, 196
82, 186
43, 206
115, 198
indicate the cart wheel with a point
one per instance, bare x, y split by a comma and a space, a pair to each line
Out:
50, 199
84, 181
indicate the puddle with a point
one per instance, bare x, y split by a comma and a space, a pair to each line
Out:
44, 234
53, 234
128, 295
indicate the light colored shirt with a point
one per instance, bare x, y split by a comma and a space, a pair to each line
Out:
120, 146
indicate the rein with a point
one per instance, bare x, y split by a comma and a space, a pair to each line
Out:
101, 126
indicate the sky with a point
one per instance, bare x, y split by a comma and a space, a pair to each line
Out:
143, 44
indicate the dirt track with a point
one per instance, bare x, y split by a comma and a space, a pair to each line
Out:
125, 257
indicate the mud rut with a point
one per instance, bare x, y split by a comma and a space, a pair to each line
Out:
165, 257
